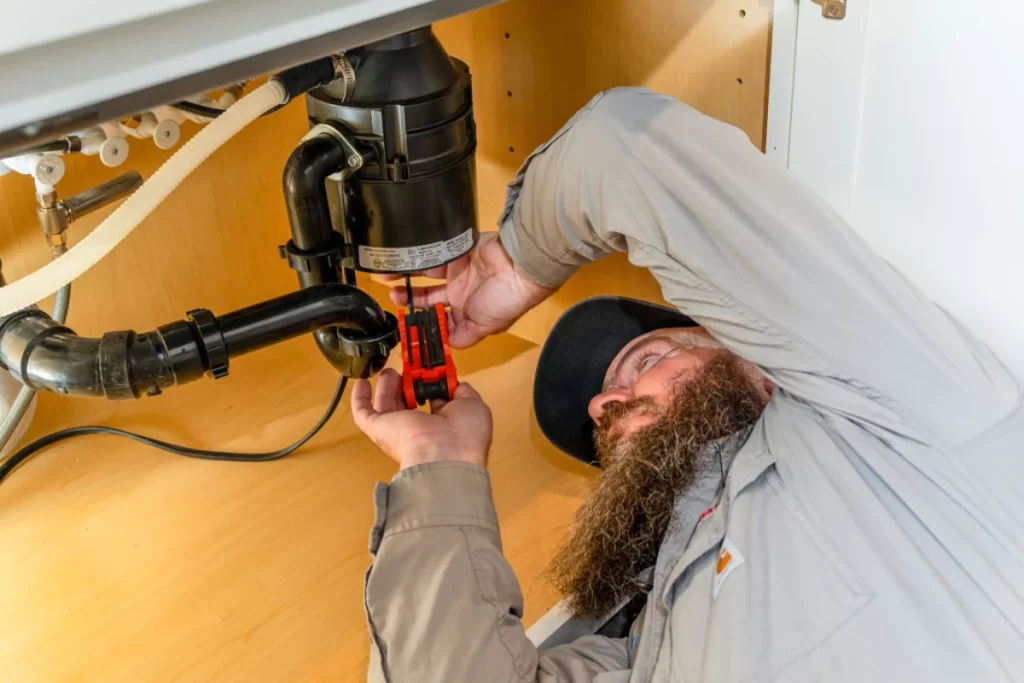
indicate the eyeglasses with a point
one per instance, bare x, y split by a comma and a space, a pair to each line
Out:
648, 353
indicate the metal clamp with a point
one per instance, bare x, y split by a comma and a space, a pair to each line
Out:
353, 157
346, 78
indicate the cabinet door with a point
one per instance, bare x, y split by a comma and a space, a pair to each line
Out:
907, 116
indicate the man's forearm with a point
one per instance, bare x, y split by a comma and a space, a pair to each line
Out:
439, 598
442, 603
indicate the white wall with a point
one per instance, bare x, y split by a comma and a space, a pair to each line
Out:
907, 117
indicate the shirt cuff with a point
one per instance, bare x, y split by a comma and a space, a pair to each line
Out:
529, 258
437, 494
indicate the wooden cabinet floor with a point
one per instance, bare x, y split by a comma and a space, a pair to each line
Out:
123, 563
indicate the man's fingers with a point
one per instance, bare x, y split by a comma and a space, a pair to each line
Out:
462, 335
423, 296
465, 391
461, 338
387, 398
439, 273
436, 404
362, 408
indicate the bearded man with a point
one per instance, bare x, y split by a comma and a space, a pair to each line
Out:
809, 471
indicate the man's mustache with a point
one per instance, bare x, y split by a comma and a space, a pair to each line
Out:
606, 436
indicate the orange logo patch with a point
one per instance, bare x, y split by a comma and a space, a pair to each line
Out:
724, 558
729, 560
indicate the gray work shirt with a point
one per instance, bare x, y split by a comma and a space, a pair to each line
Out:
875, 517
871, 526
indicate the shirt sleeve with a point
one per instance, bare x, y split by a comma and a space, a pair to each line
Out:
442, 603
758, 259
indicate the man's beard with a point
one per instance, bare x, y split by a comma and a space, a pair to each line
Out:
618, 530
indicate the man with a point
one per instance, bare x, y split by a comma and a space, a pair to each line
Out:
822, 482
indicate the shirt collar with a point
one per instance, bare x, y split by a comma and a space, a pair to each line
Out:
716, 460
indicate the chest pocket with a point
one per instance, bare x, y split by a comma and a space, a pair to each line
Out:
772, 590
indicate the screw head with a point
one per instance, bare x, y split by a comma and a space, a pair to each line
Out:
49, 170
354, 161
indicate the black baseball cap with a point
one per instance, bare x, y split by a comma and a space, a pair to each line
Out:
575, 357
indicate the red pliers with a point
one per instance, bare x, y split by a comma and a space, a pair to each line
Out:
428, 371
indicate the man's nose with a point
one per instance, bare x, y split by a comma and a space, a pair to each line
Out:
598, 404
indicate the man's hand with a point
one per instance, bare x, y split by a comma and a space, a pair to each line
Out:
485, 290
459, 429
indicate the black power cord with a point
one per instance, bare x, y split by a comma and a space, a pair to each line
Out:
295, 81
198, 109
28, 451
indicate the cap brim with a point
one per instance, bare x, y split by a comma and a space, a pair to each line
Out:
575, 357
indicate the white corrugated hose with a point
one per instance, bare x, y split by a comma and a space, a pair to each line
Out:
97, 244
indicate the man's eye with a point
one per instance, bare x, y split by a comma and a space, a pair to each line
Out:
646, 360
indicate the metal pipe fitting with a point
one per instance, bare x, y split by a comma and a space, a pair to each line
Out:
53, 220
56, 215
94, 198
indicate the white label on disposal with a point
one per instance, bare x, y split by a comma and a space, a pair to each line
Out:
409, 259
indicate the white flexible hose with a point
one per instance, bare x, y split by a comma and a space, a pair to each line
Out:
97, 244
